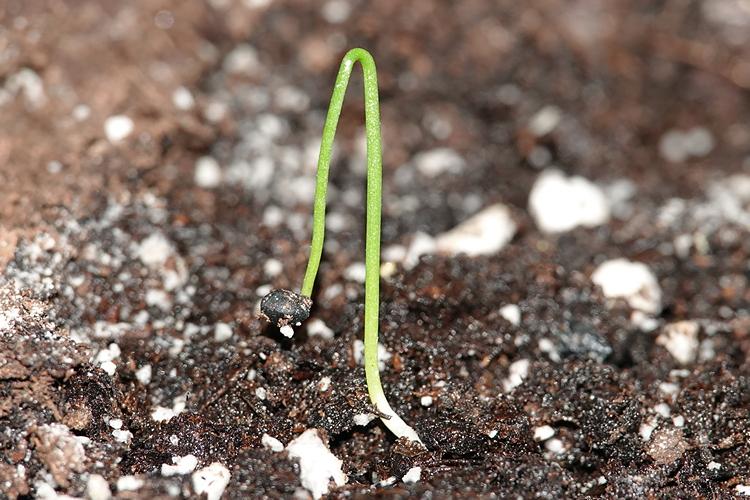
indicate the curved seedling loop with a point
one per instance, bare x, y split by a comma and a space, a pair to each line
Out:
372, 231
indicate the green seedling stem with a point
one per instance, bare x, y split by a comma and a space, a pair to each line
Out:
372, 231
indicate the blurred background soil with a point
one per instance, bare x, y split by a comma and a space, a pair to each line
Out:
134, 251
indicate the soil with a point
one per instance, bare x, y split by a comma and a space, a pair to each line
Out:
133, 269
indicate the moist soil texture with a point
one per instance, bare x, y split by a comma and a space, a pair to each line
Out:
157, 171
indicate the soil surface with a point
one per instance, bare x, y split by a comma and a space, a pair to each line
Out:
134, 260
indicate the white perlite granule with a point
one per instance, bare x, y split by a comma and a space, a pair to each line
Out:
681, 340
517, 371
512, 313
182, 465
222, 332
143, 375
485, 233
271, 443
211, 480
207, 172
545, 120
543, 433
358, 350
559, 203
677, 146
632, 281
97, 488
155, 250
183, 99
318, 466
117, 128
412, 475
317, 328
439, 161
129, 483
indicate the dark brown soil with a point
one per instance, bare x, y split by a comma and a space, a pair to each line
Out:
130, 290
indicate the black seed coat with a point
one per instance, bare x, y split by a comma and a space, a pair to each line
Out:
282, 308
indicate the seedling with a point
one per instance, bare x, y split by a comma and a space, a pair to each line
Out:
287, 309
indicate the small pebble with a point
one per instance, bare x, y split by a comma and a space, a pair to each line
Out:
183, 99
545, 120
336, 11
155, 250
663, 409
700, 141
81, 112
645, 322
273, 267
681, 340
287, 331
109, 367
517, 371
356, 272
317, 328
98, 488
550, 349
359, 354
647, 428
144, 374
211, 480
162, 414
412, 475
512, 313
122, 436
289, 98
421, 244
677, 146
666, 446
632, 281
543, 433
129, 483
271, 443
207, 172
243, 59
388, 269
439, 161
540, 157
117, 128
324, 384
54, 167
30, 83
485, 233
182, 465
317, 465
669, 388
559, 203
555, 446
673, 147
222, 332
362, 419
